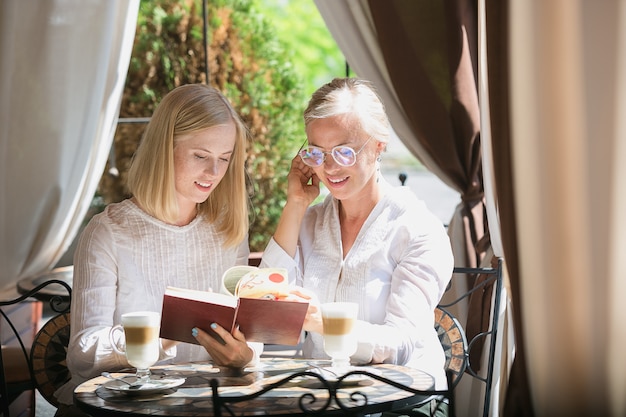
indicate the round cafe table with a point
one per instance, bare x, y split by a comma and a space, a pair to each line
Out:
194, 396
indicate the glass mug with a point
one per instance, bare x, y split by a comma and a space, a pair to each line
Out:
339, 339
140, 343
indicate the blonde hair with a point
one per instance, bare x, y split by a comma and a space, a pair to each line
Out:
151, 178
354, 98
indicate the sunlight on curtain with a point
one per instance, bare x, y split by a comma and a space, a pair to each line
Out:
63, 65
568, 136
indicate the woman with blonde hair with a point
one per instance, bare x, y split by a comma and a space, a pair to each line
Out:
185, 224
367, 242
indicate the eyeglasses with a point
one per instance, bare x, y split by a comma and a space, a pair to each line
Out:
343, 155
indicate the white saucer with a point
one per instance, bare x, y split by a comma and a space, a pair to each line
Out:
155, 385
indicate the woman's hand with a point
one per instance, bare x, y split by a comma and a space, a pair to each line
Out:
313, 320
303, 185
233, 351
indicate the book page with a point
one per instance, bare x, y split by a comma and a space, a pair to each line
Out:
204, 296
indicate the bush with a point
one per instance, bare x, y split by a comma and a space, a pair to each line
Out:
246, 63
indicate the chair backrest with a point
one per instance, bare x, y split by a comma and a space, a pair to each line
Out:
463, 348
43, 361
48, 356
452, 338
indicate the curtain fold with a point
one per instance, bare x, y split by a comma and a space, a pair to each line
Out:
517, 397
427, 49
61, 90
352, 27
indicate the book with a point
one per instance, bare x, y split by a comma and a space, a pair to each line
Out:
266, 318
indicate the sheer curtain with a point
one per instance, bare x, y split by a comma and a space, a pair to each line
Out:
63, 65
558, 100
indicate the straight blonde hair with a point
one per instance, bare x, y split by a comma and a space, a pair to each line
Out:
151, 178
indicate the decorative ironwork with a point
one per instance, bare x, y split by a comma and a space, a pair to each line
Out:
58, 303
311, 404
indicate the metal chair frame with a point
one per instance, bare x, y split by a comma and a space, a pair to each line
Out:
494, 278
58, 304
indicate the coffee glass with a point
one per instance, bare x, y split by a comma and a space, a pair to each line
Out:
339, 339
140, 343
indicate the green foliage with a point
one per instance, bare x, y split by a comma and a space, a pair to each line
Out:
309, 44
246, 62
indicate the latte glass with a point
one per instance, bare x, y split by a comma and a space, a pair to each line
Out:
339, 339
140, 343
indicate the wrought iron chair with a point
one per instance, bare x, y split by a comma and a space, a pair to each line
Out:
42, 365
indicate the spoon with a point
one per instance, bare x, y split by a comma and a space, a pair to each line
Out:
322, 370
131, 385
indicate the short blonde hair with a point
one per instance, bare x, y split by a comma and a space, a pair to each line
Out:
354, 98
151, 179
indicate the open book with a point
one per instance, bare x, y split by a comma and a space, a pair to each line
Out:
267, 318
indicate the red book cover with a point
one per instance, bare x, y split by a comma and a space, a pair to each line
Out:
261, 320
276, 322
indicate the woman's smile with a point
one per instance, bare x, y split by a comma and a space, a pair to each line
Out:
336, 182
204, 186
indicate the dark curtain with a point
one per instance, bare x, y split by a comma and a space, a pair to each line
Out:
430, 51
518, 400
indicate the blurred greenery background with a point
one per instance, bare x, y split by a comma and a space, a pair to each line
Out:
266, 56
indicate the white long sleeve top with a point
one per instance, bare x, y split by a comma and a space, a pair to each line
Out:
123, 262
397, 271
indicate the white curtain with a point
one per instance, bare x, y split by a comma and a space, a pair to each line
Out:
568, 128
63, 65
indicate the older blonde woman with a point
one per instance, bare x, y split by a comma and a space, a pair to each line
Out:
367, 242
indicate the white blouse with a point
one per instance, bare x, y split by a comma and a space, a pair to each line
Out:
397, 271
123, 262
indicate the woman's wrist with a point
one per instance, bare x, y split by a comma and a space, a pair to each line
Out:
296, 205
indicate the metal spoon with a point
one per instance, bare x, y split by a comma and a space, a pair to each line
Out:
131, 385
322, 370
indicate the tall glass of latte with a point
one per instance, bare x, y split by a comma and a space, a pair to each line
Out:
140, 343
339, 339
